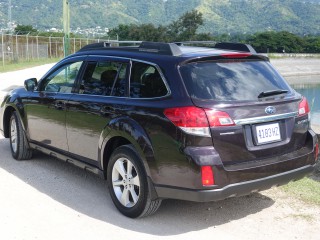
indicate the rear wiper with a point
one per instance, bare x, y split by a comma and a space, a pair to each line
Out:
272, 93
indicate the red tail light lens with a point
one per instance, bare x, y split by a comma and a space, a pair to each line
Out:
219, 118
196, 120
187, 116
235, 55
303, 107
207, 176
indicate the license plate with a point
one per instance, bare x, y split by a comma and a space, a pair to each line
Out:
268, 133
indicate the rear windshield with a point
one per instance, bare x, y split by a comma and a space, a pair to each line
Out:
231, 80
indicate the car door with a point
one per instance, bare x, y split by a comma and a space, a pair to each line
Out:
103, 89
46, 108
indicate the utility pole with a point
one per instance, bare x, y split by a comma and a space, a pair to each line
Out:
9, 16
66, 27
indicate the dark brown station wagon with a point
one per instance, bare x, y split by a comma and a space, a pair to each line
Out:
166, 120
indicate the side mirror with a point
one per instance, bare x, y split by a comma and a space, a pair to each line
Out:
30, 84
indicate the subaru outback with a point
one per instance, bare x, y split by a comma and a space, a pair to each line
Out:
166, 121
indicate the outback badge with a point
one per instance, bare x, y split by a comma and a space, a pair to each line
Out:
270, 110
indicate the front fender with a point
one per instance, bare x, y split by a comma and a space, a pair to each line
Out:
12, 102
133, 132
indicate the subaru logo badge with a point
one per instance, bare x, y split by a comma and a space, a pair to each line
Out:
270, 110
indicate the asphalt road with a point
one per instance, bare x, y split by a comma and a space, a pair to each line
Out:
44, 198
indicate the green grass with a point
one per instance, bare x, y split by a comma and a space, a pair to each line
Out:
8, 67
306, 189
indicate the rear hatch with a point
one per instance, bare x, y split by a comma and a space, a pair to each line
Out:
259, 115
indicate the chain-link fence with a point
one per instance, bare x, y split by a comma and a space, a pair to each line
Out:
14, 48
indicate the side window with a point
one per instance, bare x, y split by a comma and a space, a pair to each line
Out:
103, 78
146, 82
63, 79
120, 86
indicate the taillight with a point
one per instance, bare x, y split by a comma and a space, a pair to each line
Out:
196, 120
303, 107
192, 120
316, 151
235, 55
219, 118
187, 116
207, 176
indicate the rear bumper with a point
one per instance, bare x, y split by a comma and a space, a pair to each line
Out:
232, 190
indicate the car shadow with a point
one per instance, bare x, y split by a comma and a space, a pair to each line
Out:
88, 194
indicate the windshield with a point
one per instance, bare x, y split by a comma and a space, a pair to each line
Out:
232, 80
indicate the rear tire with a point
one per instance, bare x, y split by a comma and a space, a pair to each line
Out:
19, 145
128, 184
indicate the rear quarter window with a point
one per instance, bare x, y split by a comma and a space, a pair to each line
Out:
231, 80
146, 82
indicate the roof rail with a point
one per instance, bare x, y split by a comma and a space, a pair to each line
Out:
110, 44
170, 49
195, 43
96, 46
236, 46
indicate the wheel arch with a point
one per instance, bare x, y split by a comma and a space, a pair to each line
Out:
6, 120
12, 102
126, 131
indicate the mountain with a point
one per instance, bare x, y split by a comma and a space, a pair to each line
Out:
221, 16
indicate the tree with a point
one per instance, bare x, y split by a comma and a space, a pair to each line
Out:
24, 29
277, 42
313, 44
186, 26
184, 29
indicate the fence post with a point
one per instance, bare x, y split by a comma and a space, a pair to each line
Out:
17, 47
56, 48
37, 38
50, 46
64, 46
32, 49
2, 48
27, 36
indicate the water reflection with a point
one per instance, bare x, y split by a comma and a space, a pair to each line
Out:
310, 88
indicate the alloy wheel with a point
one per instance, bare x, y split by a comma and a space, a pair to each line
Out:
126, 182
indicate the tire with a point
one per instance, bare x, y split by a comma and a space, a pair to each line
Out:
128, 184
19, 145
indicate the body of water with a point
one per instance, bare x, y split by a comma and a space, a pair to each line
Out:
310, 88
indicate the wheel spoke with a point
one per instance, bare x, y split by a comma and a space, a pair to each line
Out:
125, 197
134, 195
117, 183
129, 168
120, 169
136, 181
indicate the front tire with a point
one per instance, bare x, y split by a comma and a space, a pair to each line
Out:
19, 145
128, 184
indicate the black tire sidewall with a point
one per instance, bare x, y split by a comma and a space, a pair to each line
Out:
18, 138
129, 153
